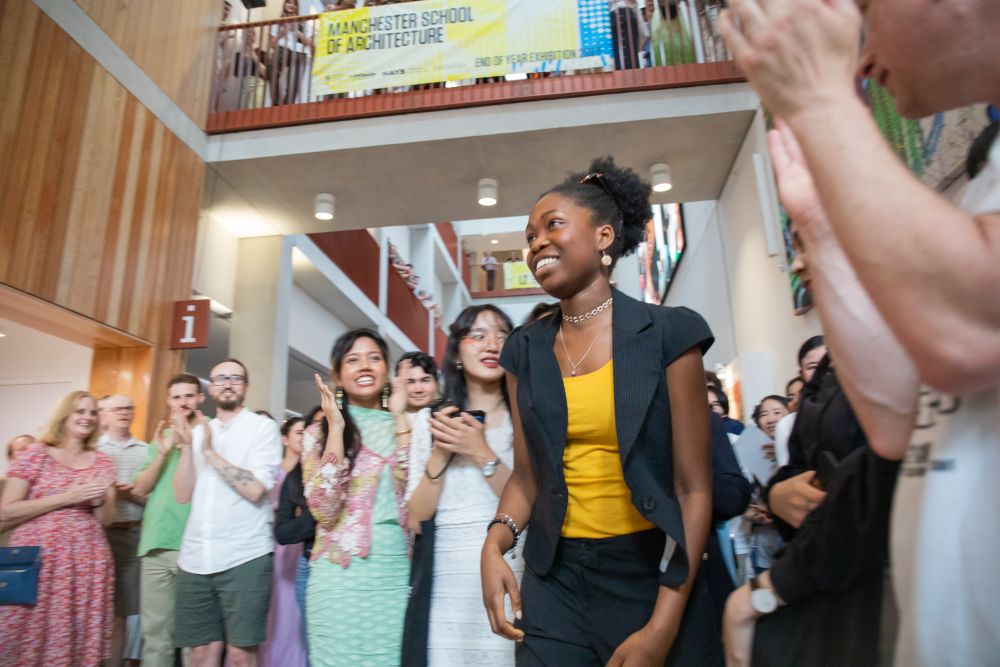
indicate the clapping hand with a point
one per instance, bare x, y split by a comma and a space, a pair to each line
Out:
85, 491
459, 433
398, 399
163, 443
334, 418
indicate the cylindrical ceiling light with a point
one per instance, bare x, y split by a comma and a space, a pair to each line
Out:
659, 174
487, 192
324, 206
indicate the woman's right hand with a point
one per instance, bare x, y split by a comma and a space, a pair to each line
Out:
82, 492
328, 402
498, 582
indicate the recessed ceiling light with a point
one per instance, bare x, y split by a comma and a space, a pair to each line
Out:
495, 241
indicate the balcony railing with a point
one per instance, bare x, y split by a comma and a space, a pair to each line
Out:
263, 79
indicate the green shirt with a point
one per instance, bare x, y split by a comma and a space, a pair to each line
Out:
164, 519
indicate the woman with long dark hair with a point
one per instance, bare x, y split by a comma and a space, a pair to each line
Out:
458, 468
294, 524
285, 645
355, 483
612, 456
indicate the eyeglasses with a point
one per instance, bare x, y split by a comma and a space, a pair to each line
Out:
122, 411
479, 337
220, 380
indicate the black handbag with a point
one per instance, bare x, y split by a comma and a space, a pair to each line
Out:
19, 568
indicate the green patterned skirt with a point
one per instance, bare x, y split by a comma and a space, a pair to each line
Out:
355, 615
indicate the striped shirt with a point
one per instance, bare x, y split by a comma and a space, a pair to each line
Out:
129, 458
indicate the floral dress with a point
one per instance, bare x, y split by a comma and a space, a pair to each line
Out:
72, 623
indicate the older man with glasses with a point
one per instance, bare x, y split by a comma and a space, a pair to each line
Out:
226, 469
129, 454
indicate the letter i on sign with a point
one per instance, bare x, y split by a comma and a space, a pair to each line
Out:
188, 326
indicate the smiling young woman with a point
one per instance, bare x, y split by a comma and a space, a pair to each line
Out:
611, 451
458, 468
354, 486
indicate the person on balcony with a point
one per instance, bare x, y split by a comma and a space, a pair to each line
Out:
355, 483
489, 265
290, 53
461, 457
628, 33
612, 455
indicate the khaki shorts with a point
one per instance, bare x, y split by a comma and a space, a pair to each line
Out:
229, 606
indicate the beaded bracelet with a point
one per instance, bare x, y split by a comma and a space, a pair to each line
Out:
506, 520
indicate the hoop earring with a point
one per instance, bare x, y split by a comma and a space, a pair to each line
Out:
605, 258
338, 398
458, 365
386, 393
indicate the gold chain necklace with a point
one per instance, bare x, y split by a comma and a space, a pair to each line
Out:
576, 319
566, 351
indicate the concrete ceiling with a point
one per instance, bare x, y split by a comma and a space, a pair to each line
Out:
428, 181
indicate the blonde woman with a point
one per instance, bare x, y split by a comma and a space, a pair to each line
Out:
60, 492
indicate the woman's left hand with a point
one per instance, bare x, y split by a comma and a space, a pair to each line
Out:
643, 648
460, 433
398, 399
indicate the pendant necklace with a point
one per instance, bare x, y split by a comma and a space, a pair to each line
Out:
574, 366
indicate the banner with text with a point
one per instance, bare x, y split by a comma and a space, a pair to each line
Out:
517, 275
433, 41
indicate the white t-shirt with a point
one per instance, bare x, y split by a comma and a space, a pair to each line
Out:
945, 529
225, 529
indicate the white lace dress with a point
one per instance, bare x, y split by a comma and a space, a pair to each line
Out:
459, 629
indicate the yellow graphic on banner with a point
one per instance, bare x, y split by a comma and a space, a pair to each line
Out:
450, 40
517, 275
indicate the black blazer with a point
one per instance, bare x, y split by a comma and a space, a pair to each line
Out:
645, 339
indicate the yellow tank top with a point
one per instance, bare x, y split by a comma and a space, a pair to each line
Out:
599, 502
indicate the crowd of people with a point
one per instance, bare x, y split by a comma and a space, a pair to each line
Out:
573, 490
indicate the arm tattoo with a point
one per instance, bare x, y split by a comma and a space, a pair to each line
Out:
236, 477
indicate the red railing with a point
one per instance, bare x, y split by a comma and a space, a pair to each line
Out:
440, 345
450, 238
263, 72
356, 253
406, 311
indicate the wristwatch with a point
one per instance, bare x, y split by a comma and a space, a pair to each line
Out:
490, 468
763, 600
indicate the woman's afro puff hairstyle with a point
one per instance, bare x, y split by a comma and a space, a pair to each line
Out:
624, 204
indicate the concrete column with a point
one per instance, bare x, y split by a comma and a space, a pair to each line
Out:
261, 312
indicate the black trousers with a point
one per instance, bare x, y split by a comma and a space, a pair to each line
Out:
625, 38
596, 594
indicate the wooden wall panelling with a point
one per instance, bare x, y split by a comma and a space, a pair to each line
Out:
173, 42
98, 200
126, 371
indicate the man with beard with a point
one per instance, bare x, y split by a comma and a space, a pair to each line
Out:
226, 469
160, 541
